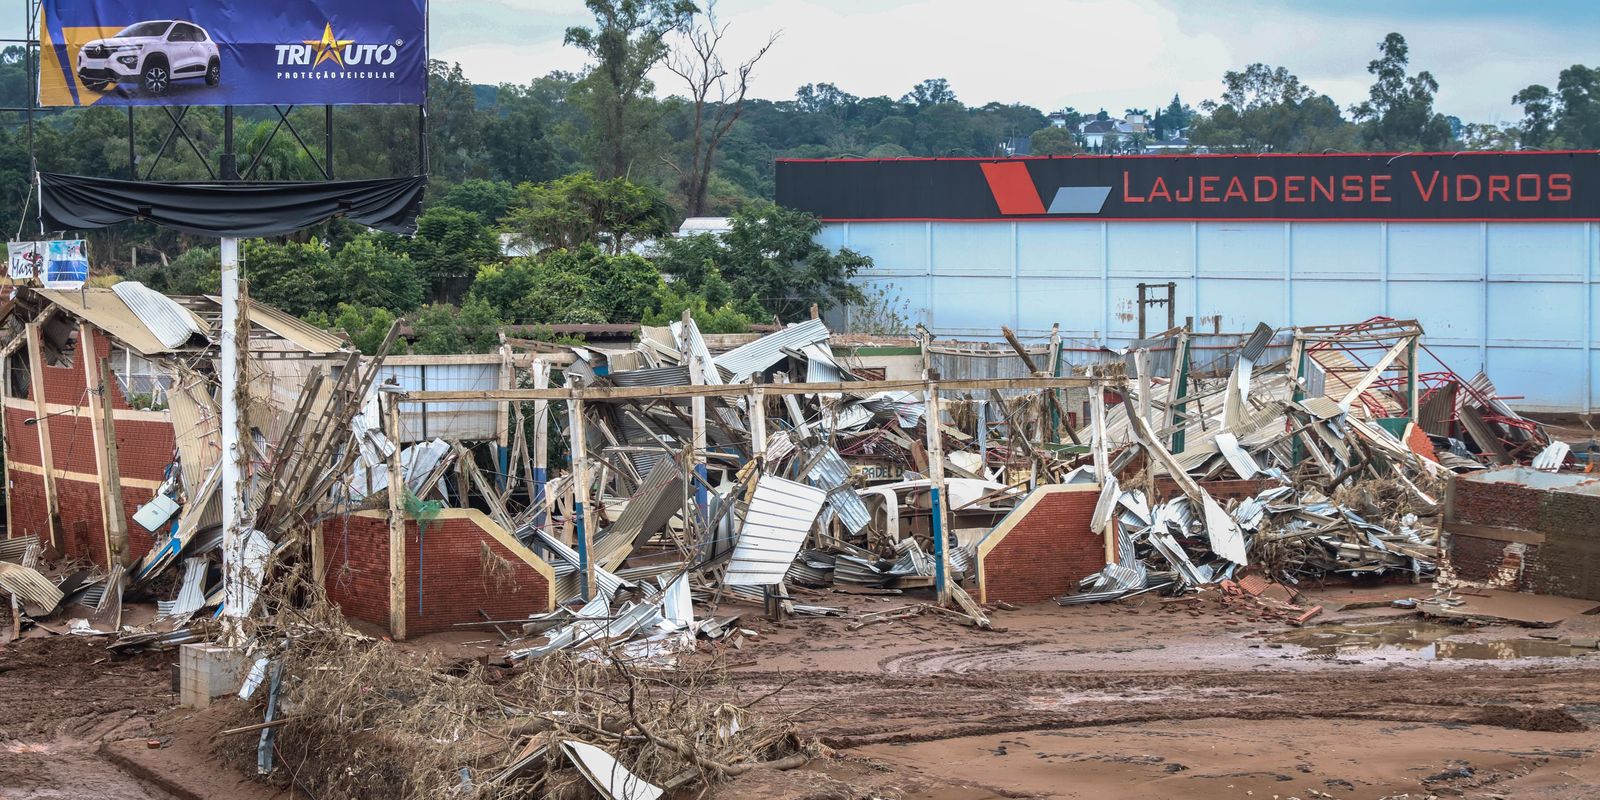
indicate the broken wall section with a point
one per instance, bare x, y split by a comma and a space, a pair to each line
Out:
461, 563
1523, 530
144, 442
1043, 547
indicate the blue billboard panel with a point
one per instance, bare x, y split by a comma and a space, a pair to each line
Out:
195, 52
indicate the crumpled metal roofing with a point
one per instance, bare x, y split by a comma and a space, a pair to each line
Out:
171, 323
105, 310
830, 473
763, 353
775, 526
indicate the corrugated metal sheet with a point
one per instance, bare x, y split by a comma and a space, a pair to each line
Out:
830, 473
197, 427
762, 353
471, 421
647, 511
103, 309
308, 337
171, 323
654, 376
780, 515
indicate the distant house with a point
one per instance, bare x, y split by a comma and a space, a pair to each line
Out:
1177, 144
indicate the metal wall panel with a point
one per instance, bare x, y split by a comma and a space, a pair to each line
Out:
1515, 298
449, 421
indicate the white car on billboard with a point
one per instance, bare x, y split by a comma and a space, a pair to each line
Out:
151, 54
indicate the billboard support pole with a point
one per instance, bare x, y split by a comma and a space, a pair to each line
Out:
229, 167
327, 140
232, 339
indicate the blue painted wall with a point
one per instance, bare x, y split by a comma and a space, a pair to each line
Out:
1514, 299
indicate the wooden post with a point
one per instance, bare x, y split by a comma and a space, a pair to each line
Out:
938, 519
1097, 428
580, 486
102, 424
41, 416
541, 437
697, 421
758, 425
502, 418
397, 526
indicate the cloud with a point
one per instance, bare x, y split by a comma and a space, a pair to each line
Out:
1052, 53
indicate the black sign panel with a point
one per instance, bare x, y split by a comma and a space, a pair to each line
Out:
1527, 186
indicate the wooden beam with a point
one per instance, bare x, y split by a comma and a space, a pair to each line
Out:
603, 393
36, 368
397, 526
102, 424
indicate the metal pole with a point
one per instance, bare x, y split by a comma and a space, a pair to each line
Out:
232, 341
228, 168
327, 140
1141, 310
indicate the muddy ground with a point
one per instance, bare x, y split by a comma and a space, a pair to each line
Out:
1147, 699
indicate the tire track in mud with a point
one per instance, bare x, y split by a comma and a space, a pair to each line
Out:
848, 709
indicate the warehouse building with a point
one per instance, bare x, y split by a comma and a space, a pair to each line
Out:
1496, 254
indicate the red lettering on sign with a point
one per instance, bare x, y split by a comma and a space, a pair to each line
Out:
1326, 188
1354, 190
1159, 189
1425, 191
1186, 198
1500, 185
1529, 196
1461, 188
1380, 189
1127, 193
1560, 187
1208, 189
1235, 187
1291, 189
1272, 183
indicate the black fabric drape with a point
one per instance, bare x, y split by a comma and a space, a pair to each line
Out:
74, 202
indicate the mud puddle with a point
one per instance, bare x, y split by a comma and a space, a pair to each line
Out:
1426, 640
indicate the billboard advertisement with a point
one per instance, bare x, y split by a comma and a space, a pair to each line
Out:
213, 52
1529, 186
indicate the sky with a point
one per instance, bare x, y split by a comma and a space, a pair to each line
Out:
1088, 54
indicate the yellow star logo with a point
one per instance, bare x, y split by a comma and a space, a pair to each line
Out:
328, 47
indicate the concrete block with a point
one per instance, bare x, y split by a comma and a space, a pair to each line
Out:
206, 672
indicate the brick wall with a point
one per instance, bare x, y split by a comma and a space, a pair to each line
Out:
144, 450
1561, 552
1043, 548
445, 575
1503, 505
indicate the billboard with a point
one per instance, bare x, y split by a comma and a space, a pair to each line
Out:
213, 52
1474, 186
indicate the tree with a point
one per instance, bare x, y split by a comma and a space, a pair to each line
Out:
1268, 109
1054, 142
1174, 119
372, 275
770, 261
444, 330
564, 286
1398, 114
197, 270
627, 41
450, 245
717, 99
670, 303
931, 92
569, 212
298, 278
488, 199
1538, 115
365, 327
515, 140
1578, 125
